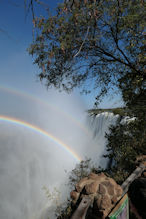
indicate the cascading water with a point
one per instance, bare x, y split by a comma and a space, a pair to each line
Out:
31, 164
99, 124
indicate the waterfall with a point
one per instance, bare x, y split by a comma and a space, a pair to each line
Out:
99, 124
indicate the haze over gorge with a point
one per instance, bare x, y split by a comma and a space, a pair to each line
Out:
41, 140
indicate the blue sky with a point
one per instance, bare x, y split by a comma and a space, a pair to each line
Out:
17, 69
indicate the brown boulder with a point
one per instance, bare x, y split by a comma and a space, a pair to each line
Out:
92, 187
85, 181
110, 189
105, 202
114, 199
119, 190
103, 190
98, 177
74, 195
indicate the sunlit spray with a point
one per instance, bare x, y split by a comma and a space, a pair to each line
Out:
39, 145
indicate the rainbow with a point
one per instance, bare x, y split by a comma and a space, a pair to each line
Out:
41, 132
40, 101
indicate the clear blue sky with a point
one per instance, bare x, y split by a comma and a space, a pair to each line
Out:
17, 69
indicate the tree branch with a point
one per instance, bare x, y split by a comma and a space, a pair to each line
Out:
82, 43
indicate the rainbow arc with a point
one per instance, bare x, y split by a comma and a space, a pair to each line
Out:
41, 132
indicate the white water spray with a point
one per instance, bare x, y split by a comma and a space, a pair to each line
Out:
29, 162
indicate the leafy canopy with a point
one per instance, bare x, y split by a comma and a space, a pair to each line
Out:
92, 44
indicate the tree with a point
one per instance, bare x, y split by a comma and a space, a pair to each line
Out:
90, 44
125, 143
99, 44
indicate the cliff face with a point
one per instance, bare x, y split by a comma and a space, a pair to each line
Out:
119, 110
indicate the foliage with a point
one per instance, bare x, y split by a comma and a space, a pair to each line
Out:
125, 142
82, 170
90, 43
64, 211
53, 196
